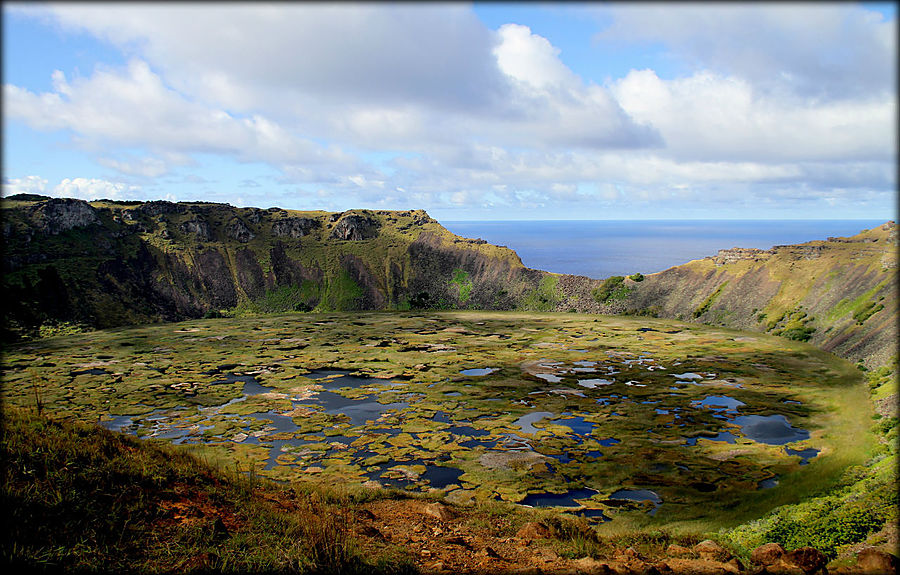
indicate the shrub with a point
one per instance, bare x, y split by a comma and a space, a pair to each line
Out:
637, 277
611, 289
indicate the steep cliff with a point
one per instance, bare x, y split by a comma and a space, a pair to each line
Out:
839, 294
106, 263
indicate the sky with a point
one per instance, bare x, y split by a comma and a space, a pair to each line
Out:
485, 111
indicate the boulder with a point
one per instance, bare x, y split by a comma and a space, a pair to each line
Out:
533, 530
678, 551
768, 554
438, 511
872, 560
808, 559
712, 551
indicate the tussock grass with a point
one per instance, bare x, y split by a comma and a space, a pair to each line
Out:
80, 498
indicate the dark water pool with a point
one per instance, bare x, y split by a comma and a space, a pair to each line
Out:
770, 429
566, 499
639, 495
805, 454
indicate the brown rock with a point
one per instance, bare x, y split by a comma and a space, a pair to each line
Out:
872, 560
735, 565
678, 551
712, 551
457, 540
808, 559
438, 511
782, 568
768, 554
370, 531
591, 565
697, 566
533, 530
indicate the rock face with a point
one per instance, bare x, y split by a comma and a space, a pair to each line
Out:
355, 228
143, 262
871, 560
238, 230
61, 215
197, 228
294, 227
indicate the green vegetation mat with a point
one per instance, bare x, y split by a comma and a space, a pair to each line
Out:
555, 404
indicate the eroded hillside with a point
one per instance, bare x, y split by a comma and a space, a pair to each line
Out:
106, 264
839, 294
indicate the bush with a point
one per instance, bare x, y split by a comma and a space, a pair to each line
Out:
798, 333
638, 277
611, 289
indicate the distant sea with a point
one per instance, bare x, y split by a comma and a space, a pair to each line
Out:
604, 248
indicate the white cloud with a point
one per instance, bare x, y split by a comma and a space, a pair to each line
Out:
94, 189
531, 59
716, 117
483, 117
145, 167
26, 185
133, 108
816, 50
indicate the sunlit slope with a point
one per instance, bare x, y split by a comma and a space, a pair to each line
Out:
839, 294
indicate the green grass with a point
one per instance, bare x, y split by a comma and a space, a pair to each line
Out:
707, 303
853, 306
544, 297
853, 506
612, 289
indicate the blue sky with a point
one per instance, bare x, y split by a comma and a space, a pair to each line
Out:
484, 111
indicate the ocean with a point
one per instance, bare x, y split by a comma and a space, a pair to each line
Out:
603, 248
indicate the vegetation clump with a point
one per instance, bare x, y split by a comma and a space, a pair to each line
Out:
613, 288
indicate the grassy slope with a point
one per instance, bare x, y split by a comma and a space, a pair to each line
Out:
77, 497
840, 294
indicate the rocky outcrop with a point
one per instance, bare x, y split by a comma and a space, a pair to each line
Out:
238, 230
197, 228
738, 254
294, 227
354, 227
61, 215
143, 262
